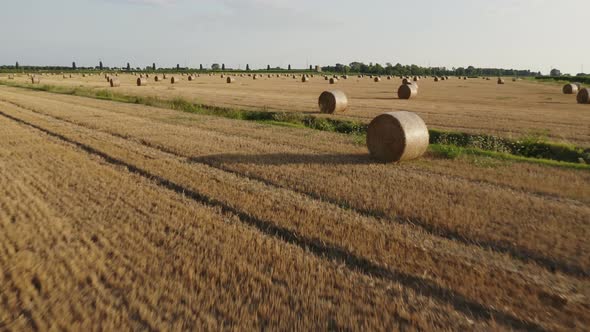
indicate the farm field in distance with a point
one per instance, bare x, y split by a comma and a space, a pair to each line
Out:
514, 110
125, 216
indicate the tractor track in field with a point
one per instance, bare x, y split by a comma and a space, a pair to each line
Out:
504, 247
351, 261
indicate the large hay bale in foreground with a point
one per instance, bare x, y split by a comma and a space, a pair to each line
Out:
230, 80
333, 80
583, 96
407, 91
35, 80
333, 101
570, 89
397, 136
114, 82
141, 81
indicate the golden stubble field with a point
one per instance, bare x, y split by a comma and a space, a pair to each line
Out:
123, 216
515, 109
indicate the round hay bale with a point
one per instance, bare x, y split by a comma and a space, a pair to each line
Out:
344, 77
579, 85
388, 77
83, 75
583, 96
416, 79
156, 78
326, 78
35, 80
114, 82
141, 81
230, 80
406, 81
174, 80
333, 80
500, 80
397, 136
333, 101
10, 77
570, 89
304, 79
377, 79
407, 91
436, 79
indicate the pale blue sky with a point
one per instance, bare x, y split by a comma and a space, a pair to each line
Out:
523, 34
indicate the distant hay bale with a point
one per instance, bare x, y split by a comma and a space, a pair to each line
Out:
64, 76
570, 89
583, 96
436, 79
416, 79
333, 101
164, 76
407, 91
377, 79
114, 82
405, 81
35, 80
500, 80
326, 78
397, 136
269, 76
304, 79
10, 77
83, 75
190, 77
141, 81
344, 77
333, 80
222, 76
389, 77
230, 80
174, 80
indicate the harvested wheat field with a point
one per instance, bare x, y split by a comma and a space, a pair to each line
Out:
118, 216
515, 109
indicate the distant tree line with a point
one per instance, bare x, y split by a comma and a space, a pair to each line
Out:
354, 67
400, 70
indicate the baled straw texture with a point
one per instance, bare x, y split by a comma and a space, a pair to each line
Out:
333, 101
407, 91
397, 136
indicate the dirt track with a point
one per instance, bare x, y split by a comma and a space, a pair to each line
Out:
136, 217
